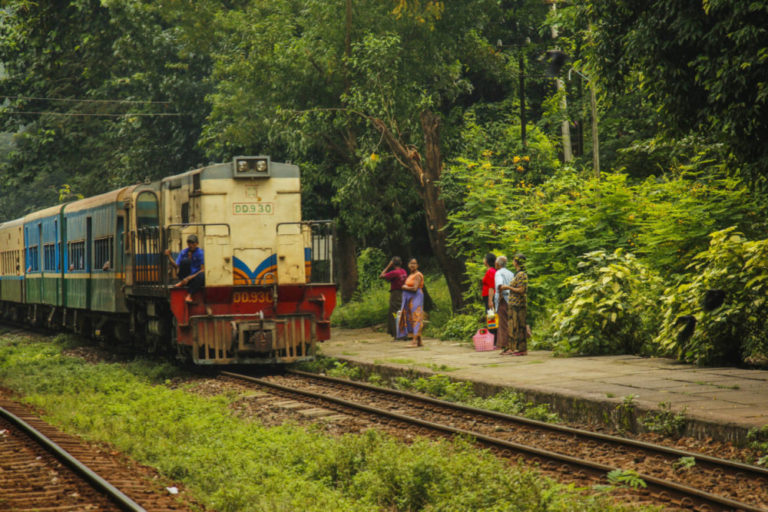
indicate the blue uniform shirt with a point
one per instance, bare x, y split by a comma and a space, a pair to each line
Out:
196, 259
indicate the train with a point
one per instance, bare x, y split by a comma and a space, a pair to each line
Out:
98, 266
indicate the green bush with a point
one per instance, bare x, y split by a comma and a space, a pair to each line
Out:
757, 440
460, 327
371, 308
442, 387
510, 402
611, 309
735, 331
664, 421
665, 221
370, 263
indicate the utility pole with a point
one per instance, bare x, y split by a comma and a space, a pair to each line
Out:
595, 141
565, 127
523, 121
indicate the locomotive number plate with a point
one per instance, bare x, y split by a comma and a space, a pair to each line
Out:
245, 297
253, 208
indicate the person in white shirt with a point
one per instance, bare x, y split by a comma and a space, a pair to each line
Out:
503, 277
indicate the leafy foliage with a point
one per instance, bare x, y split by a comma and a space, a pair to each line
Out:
370, 263
665, 221
710, 76
460, 327
612, 308
757, 439
371, 308
735, 330
626, 477
107, 98
665, 421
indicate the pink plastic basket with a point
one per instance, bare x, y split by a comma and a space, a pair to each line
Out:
483, 340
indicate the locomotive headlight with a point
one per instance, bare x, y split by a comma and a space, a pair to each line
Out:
251, 167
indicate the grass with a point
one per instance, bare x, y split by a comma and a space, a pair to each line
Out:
719, 386
231, 464
441, 367
438, 386
395, 360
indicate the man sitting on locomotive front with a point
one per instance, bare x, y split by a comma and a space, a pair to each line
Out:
190, 266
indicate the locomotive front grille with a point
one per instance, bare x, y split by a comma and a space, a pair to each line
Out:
256, 336
226, 340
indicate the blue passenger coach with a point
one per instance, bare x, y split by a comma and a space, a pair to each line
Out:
94, 255
42, 247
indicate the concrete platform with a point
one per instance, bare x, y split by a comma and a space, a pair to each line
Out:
719, 403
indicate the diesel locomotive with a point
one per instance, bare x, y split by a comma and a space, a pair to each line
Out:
97, 266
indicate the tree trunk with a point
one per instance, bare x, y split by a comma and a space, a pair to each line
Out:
347, 265
427, 173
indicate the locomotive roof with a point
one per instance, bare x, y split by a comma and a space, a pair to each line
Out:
225, 167
225, 170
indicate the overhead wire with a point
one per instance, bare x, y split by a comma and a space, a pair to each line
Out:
130, 114
84, 114
78, 100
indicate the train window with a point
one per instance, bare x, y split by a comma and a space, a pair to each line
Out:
103, 253
33, 259
147, 214
185, 213
76, 255
49, 257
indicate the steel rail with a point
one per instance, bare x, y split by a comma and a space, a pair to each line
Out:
597, 468
715, 461
112, 492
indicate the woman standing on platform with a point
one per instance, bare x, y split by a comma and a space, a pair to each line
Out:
396, 275
412, 309
518, 290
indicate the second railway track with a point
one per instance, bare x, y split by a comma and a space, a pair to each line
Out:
709, 484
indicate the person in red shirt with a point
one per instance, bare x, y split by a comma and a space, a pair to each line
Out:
396, 275
488, 286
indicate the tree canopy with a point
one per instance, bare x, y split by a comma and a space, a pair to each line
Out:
421, 127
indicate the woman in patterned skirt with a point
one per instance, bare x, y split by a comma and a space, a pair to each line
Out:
412, 310
517, 306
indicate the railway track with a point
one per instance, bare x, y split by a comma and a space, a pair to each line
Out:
36, 474
673, 477
42, 468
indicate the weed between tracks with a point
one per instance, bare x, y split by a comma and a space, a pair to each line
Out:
145, 410
439, 386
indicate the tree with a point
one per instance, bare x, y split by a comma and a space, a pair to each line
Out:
703, 63
381, 82
101, 95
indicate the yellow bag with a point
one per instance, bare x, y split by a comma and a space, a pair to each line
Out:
492, 321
